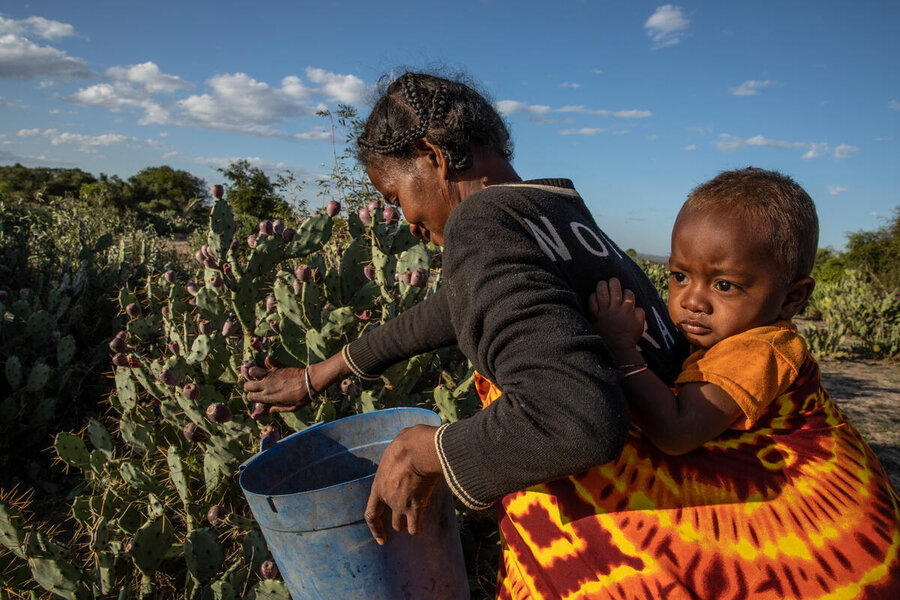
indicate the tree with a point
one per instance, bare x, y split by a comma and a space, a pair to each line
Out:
877, 252
160, 189
251, 192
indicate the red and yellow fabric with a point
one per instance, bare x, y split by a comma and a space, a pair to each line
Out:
796, 507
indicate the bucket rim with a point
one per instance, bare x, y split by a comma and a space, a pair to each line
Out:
319, 427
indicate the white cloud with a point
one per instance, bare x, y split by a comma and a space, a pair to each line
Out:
751, 87
22, 58
732, 143
84, 143
567, 84
36, 26
149, 77
597, 71
348, 89
834, 190
666, 26
29, 132
510, 107
168, 155
582, 131
894, 105
313, 134
690, 147
255, 161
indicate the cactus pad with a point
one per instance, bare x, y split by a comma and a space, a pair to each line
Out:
203, 554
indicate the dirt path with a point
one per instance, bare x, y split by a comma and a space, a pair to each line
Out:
869, 392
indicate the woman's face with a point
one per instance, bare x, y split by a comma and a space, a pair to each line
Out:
421, 189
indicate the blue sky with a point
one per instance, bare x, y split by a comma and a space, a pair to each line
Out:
636, 102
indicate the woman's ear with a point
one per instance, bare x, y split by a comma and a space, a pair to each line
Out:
797, 295
435, 157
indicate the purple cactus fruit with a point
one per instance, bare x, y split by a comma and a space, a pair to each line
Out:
210, 263
275, 327
303, 273
266, 227
170, 276
173, 347
406, 277
251, 240
256, 343
298, 287
419, 277
198, 256
271, 304
235, 244
205, 327
218, 413
365, 215
226, 268
268, 570
193, 433
333, 209
391, 215
374, 206
216, 514
216, 281
348, 388
167, 377
192, 302
369, 272
288, 235
217, 191
133, 310
258, 410
190, 391
164, 311
118, 345
365, 315
120, 360
245, 369
192, 288
278, 227
134, 363
229, 327
270, 431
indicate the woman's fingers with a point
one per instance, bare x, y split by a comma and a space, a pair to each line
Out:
374, 510
258, 372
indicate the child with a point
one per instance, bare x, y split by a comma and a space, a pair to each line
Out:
757, 449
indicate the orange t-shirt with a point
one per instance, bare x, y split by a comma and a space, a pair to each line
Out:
753, 367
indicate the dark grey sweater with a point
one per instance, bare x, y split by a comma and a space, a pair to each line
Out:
520, 261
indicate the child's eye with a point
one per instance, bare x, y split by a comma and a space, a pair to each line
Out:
678, 277
724, 286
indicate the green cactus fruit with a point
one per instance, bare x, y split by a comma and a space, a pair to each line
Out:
150, 544
38, 377
71, 450
59, 577
65, 350
99, 436
14, 371
203, 554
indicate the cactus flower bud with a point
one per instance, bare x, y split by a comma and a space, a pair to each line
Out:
348, 388
288, 235
419, 277
120, 360
210, 263
268, 570
229, 327
369, 272
278, 227
218, 413
258, 410
190, 391
167, 377
266, 227
251, 240
193, 433
391, 215
406, 277
270, 431
270, 304
216, 281
216, 514
365, 215
303, 273
333, 209
205, 327
164, 311
170, 276
133, 310
217, 191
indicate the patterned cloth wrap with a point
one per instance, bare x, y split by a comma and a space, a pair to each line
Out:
797, 507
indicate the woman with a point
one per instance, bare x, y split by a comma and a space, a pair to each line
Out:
520, 260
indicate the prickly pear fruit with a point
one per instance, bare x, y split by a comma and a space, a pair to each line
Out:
218, 413
245, 369
374, 206
134, 362
297, 287
229, 327
190, 391
164, 311
271, 304
216, 514
193, 433
303, 273
419, 277
216, 281
210, 263
406, 277
205, 327
369, 272
266, 227
226, 267
391, 215
289, 235
217, 191
251, 240
133, 310
278, 226
268, 570
275, 327
120, 360
365, 315
270, 431
167, 377
333, 209
173, 347
258, 410
170, 276
192, 288
198, 256
365, 215
348, 387
256, 344
118, 345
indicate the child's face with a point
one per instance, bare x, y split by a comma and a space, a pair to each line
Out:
722, 280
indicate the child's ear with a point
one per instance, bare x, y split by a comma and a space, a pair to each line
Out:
797, 295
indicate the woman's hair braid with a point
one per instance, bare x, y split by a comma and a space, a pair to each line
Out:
447, 113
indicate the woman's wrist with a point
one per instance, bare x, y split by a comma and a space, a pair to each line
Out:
325, 373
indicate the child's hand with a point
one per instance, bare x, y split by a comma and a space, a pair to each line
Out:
614, 316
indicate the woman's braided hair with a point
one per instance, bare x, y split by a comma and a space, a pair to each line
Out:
449, 114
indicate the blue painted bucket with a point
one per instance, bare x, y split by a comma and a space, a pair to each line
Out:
308, 493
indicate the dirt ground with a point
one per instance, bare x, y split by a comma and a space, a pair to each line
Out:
869, 393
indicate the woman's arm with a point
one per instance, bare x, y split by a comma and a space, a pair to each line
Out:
674, 423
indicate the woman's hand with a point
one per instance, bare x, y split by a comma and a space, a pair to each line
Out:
615, 317
406, 476
284, 389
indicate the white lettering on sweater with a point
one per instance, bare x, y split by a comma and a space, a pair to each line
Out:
549, 241
663, 328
